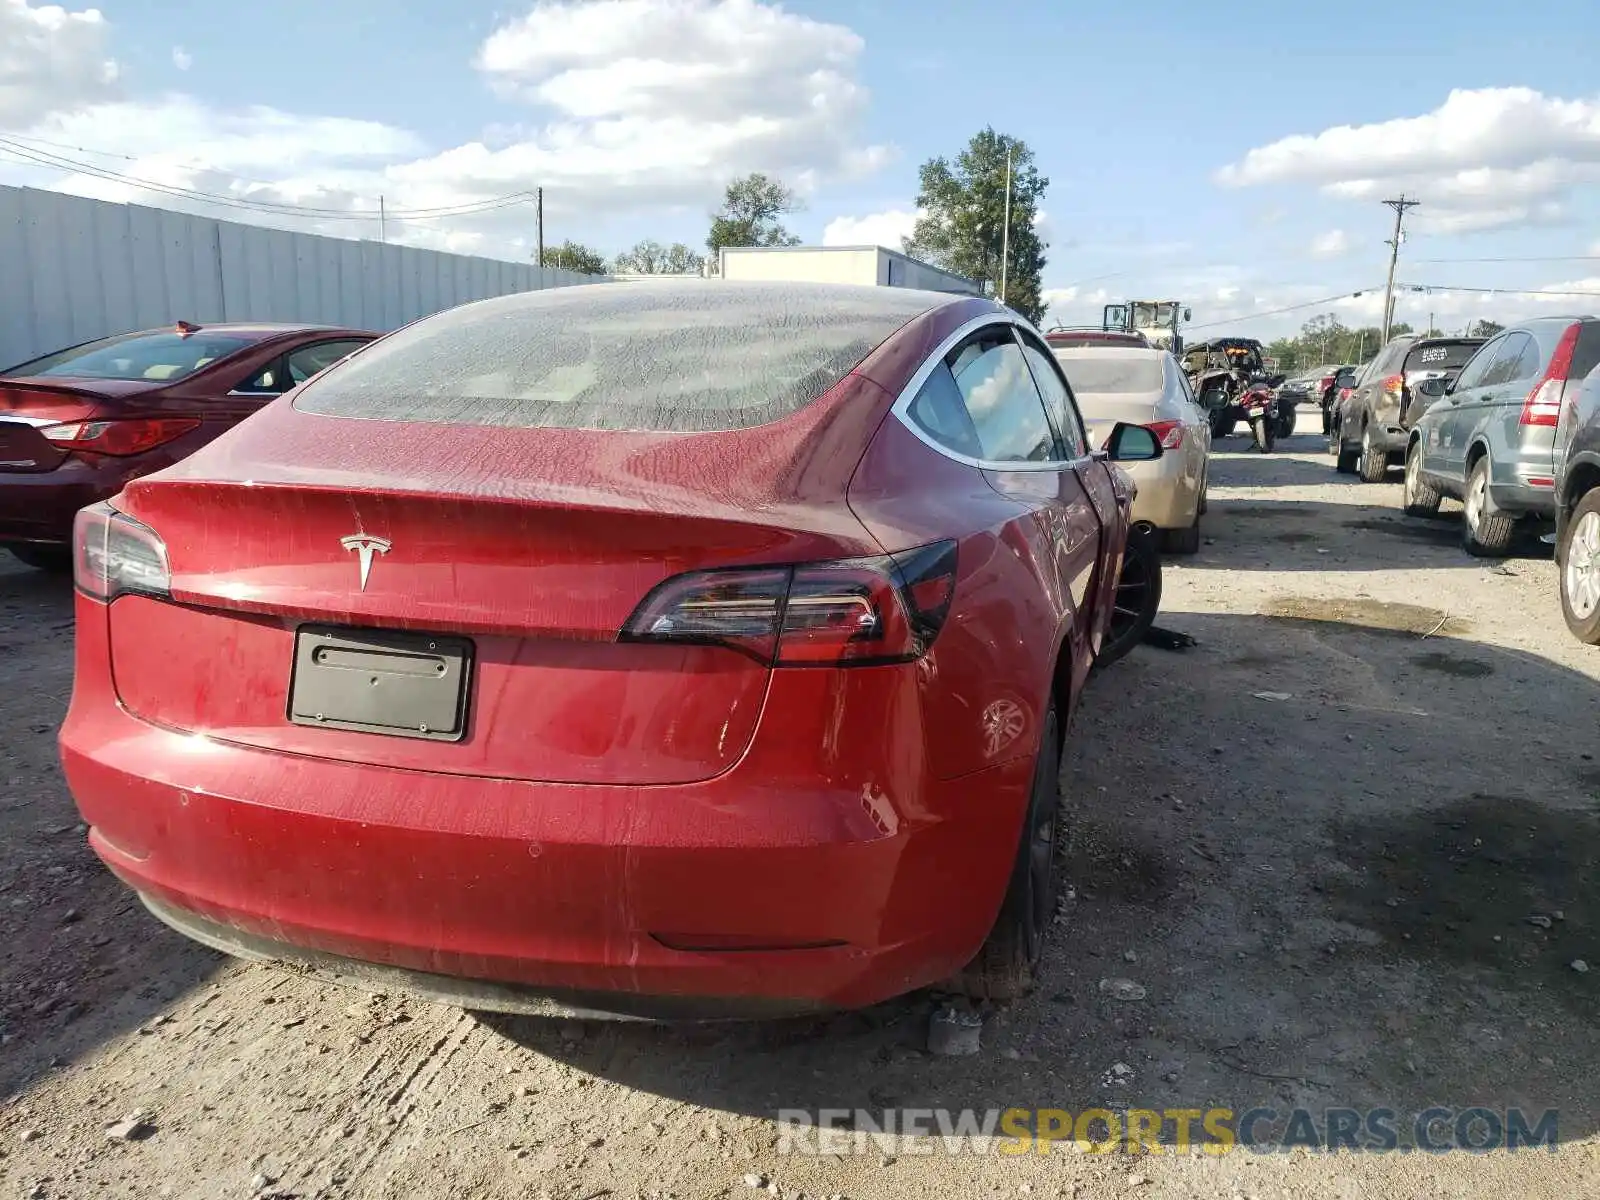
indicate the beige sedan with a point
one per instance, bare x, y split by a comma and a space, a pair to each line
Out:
1147, 387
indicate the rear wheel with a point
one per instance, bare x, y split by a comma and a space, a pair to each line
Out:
1373, 465
1138, 597
1286, 420
1421, 497
1004, 966
1344, 459
55, 559
1580, 570
1185, 541
1486, 532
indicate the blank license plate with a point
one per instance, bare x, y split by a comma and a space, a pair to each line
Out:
402, 684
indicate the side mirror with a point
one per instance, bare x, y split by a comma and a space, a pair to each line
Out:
1132, 443
1434, 388
1187, 315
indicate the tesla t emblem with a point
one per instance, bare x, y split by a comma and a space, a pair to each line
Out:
365, 546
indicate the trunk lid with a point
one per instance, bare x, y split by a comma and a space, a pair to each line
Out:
536, 545
25, 408
1102, 410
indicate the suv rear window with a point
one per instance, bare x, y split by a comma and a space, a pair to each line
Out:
674, 357
1441, 356
134, 356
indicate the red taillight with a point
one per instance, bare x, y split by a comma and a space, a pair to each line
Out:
1168, 433
1327, 382
855, 612
1543, 405
121, 437
1395, 386
113, 554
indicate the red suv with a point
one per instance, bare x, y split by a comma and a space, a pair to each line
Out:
77, 425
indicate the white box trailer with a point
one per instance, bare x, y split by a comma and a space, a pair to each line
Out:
870, 265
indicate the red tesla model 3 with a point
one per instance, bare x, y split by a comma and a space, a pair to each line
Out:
648, 649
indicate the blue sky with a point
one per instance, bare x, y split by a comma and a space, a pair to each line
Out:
1163, 131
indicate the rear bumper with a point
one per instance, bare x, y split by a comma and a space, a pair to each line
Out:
1166, 498
40, 507
1524, 485
746, 892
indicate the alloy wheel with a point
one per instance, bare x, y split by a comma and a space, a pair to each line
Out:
1477, 490
1583, 567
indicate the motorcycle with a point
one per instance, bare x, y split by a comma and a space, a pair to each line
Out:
1260, 410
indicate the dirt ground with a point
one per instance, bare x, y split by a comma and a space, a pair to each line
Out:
1325, 892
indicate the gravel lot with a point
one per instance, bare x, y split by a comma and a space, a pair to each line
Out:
1325, 893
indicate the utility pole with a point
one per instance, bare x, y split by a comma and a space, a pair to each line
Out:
1005, 230
383, 222
539, 193
1400, 207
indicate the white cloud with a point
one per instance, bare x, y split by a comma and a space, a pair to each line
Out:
50, 58
876, 229
181, 58
1335, 243
1485, 158
618, 106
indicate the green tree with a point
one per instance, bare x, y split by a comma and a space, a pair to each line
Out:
652, 258
1484, 328
749, 214
575, 256
963, 226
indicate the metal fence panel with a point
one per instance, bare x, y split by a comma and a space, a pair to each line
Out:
73, 269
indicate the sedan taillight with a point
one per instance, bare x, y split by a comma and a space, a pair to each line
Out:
113, 555
1168, 433
854, 612
120, 437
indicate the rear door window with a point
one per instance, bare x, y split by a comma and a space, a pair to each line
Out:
1509, 360
319, 356
1472, 375
1058, 400
941, 413
1006, 409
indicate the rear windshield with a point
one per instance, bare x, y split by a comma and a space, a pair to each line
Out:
1440, 356
1105, 374
129, 356
676, 357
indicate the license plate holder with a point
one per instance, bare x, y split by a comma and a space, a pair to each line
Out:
377, 681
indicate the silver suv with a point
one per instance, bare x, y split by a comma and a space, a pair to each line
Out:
1488, 440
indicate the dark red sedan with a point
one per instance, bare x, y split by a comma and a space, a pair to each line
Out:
77, 425
669, 648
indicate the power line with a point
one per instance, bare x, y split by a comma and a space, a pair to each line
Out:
1550, 259
1492, 291
1274, 312
61, 162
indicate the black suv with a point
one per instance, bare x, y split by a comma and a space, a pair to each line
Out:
1370, 428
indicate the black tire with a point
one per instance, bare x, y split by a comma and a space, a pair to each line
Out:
1580, 569
1186, 540
1373, 465
1421, 497
57, 560
1485, 533
1263, 435
1004, 967
1286, 421
1137, 598
1344, 459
